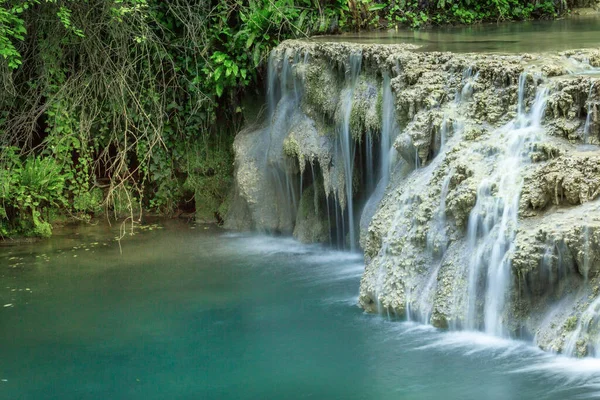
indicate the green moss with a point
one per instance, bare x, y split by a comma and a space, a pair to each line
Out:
365, 115
321, 87
43, 229
207, 205
291, 147
312, 224
89, 202
570, 323
209, 177
224, 207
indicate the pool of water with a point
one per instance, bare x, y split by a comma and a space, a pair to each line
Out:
506, 37
186, 312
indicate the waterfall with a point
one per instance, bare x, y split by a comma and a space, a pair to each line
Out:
346, 152
389, 130
283, 96
473, 218
387, 153
493, 221
452, 121
467, 90
369, 163
436, 235
346, 141
591, 316
437, 241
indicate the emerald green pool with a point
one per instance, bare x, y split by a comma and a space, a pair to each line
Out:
188, 312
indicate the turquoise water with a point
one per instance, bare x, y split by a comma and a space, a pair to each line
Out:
198, 313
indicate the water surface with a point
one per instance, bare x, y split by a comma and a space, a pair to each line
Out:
192, 313
507, 37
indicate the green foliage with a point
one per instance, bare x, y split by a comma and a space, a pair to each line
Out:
416, 14
12, 27
243, 33
119, 92
89, 202
570, 323
209, 175
133, 104
29, 189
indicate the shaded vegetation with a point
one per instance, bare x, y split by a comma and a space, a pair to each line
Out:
131, 105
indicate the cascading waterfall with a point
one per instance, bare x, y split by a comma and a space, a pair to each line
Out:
589, 318
419, 305
387, 157
347, 144
437, 236
345, 159
389, 130
452, 120
493, 221
284, 95
470, 214
387, 153
437, 245
467, 90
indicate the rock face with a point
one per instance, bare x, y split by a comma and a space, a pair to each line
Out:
479, 177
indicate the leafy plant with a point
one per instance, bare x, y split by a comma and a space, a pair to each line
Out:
29, 189
133, 104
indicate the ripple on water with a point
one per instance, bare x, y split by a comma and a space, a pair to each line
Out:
263, 318
508, 356
324, 266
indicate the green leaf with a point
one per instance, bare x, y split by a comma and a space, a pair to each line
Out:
256, 56
217, 73
250, 40
219, 57
377, 7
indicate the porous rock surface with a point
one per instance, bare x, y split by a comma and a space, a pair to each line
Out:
455, 113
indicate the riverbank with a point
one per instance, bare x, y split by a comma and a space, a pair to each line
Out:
67, 152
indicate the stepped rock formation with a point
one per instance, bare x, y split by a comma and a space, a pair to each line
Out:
477, 176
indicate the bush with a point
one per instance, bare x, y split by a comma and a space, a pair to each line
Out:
118, 91
29, 189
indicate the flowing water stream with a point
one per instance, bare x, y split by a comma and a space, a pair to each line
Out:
191, 312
